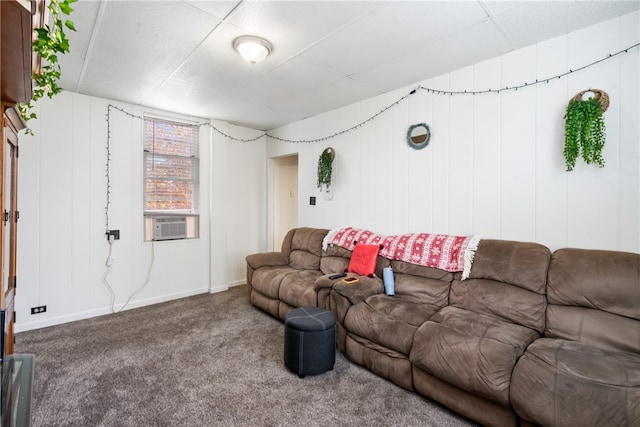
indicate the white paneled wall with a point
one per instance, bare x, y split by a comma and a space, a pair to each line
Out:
494, 166
245, 211
62, 185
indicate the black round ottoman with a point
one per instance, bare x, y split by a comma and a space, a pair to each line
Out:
309, 340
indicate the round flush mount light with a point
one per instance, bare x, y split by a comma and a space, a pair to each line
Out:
253, 49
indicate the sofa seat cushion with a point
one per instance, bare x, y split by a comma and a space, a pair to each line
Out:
390, 321
474, 352
266, 280
297, 290
568, 383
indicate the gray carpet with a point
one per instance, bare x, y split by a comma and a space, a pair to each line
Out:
207, 360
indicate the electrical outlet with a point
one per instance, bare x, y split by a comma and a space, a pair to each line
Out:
39, 309
312, 200
113, 233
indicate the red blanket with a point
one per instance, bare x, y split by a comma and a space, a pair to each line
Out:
443, 251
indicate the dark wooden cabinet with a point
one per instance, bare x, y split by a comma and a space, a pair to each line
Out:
17, 63
12, 123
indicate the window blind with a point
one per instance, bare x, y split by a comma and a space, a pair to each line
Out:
171, 166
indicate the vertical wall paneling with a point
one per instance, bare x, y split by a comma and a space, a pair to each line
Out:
325, 211
338, 209
80, 211
369, 172
400, 153
126, 136
551, 102
518, 138
494, 166
246, 190
462, 150
486, 150
440, 141
220, 212
349, 168
63, 249
384, 179
419, 165
54, 216
629, 155
99, 248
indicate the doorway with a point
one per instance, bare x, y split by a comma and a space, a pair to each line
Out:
285, 197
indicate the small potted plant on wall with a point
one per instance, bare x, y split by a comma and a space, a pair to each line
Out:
585, 129
325, 169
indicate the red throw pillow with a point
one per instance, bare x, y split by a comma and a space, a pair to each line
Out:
363, 259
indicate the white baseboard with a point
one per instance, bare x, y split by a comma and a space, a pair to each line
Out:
216, 289
28, 326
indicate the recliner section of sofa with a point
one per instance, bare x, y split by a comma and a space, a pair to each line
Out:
280, 281
586, 368
379, 330
529, 338
474, 343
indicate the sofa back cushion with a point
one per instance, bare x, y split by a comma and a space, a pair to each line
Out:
594, 298
305, 247
422, 284
335, 259
507, 280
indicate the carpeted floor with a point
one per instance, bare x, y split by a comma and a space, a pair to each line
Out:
207, 360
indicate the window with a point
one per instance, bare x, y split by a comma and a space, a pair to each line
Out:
171, 180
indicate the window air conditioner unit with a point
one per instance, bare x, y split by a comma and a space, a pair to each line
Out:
168, 228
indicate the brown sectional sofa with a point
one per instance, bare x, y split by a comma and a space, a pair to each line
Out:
529, 338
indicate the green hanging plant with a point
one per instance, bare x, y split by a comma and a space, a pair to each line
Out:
325, 167
50, 42
585, 129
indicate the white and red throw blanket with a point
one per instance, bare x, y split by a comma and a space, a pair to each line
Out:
443, 251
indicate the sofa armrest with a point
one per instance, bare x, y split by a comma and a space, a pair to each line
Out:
323, 282
323, 286
344, 296
359, 291
267, 259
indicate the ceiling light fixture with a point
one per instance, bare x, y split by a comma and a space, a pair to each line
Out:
253, 49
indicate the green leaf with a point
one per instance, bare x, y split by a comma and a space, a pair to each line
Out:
65, 8
43, 33
50, 41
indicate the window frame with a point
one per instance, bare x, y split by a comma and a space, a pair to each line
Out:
191, 214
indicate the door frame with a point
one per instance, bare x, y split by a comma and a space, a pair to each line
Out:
274, 164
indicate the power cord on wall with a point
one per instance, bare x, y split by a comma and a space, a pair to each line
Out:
105, 278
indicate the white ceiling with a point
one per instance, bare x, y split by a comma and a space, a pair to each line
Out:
178, 55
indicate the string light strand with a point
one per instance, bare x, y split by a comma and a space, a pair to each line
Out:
527, 84
403, 98
342, 132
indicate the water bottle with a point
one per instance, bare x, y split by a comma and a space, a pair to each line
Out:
389, 282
